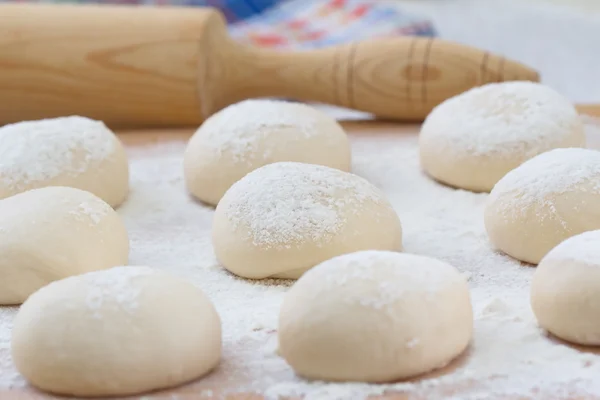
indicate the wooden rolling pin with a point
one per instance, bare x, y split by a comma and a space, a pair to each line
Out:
147, 66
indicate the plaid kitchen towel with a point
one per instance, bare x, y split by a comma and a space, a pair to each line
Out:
310, 24
234, 10
300, 23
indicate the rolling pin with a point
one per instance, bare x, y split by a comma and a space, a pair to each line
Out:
175, 66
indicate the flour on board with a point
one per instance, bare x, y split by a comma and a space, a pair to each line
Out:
508, 358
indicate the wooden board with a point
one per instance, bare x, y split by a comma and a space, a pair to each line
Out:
193, 390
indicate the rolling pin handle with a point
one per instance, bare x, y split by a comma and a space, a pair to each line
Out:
399, 78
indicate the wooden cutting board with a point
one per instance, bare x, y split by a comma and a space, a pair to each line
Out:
193, 390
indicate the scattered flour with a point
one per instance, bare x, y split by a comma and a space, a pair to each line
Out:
553, 172
94, 212
509, 357
503, 119
240, 127
537, 181
114, 285
288, 202
584, 248
381, 270
34, 151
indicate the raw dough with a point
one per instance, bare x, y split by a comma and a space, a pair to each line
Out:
68, 151
544, 201
472, 140
284, 218
122, 331
54, 232
565, 291
253, 133
375, 316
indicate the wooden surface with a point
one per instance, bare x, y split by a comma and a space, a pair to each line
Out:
147, 66
118, 64
592, 110
138, 138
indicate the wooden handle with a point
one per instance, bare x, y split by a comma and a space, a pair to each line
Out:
398, 78
168, 66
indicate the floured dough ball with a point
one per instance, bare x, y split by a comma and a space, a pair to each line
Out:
546, 200
50, 233
123, 331
565, 291
253, 133
472, 140
375, 316
68, 151
284, 218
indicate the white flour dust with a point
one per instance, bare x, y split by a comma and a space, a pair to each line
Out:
291, 202
505, 120
240, 128
35, 151
554, 172
115, 286
509, 356
582, 249
91, 212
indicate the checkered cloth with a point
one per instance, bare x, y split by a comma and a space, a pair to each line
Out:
300, 23
310, 24
234, 10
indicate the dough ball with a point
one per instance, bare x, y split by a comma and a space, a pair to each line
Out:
546, 200
253, 133
472, 140
117, 332
375, 316
68, 151
284, 218
565, 292
54, 232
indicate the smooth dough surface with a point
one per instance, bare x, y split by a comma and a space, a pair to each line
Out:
253, 133
68, 151
472, 140
284, 218
565, 291
375, 316
54, 232
122, 331
546, 200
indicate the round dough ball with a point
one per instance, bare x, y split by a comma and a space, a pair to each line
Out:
253, 133
375, 316
472, 140
118, 332
68, 151
50, 233
565, 292
284, 218
546, 200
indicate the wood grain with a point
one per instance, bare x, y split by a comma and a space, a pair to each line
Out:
174, 66
592, 110
121, 64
